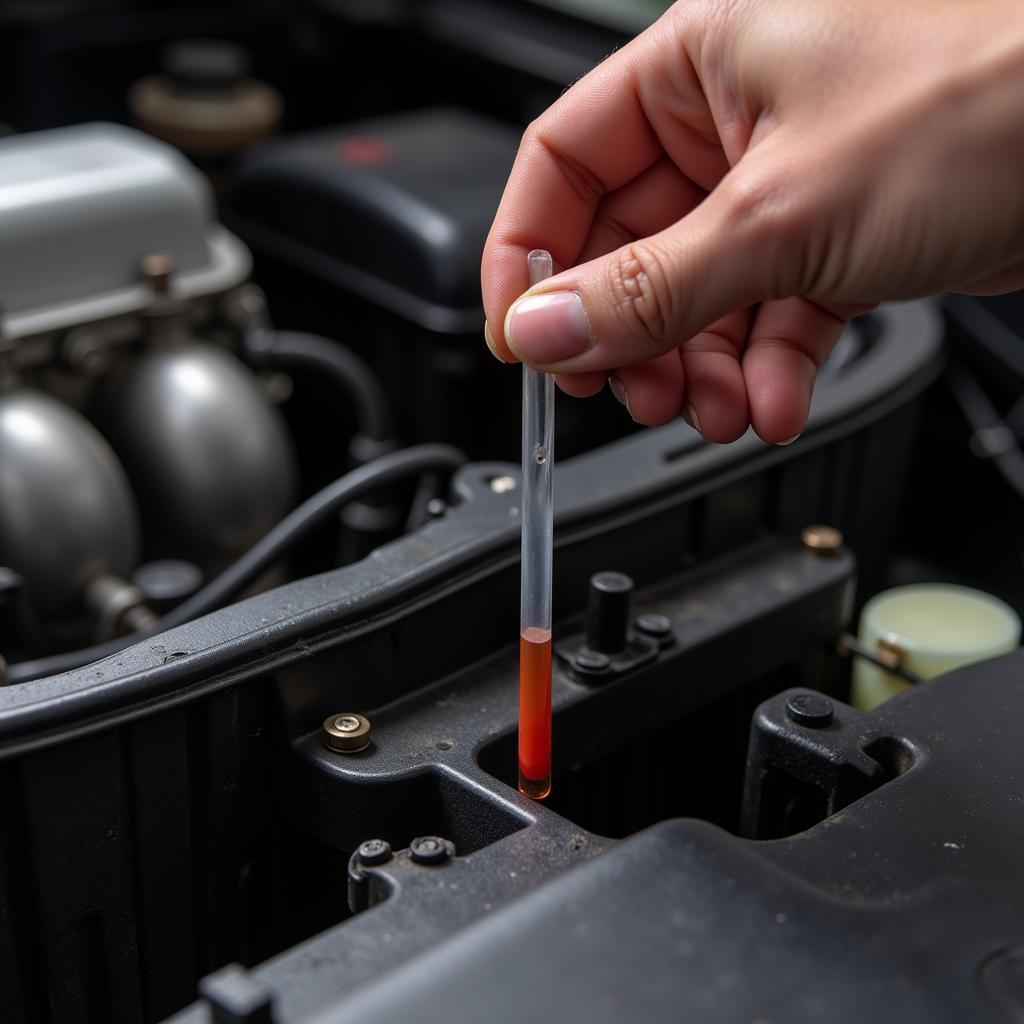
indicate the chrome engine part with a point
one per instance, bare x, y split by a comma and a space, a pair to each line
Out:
129, 429
66, 507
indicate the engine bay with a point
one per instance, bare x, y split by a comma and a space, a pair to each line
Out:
259, 571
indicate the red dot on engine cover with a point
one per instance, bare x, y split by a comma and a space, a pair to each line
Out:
365, 151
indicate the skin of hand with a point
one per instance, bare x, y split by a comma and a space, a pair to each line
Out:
724, 193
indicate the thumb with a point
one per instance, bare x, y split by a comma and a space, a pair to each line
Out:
649, 296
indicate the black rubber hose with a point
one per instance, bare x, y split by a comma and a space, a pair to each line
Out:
388, 469
265, 347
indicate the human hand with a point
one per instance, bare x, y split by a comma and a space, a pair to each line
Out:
742, 178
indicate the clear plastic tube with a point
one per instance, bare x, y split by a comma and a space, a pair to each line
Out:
535, 593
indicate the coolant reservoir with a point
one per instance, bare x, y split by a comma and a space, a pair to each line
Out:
935, 627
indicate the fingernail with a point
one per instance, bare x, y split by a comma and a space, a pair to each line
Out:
782, 444
690, 415
618, 389
547, 328
489, 338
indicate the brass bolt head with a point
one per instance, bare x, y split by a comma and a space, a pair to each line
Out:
347, 733
889, 653
823, 540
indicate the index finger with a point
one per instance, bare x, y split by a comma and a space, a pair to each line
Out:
595, 139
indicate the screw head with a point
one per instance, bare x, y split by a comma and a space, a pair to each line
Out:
347, 733
658, 627
810, 709
374, 851
428, 850
591, 663
822, 540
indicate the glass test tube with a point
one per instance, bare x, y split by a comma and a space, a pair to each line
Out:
535, 594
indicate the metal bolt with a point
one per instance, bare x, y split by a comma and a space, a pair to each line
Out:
658, 627
436, 508
591, 663
822, 540
347, 733
111, 600
502, 484
374, 851
428, 850
889, 653
810, 709
157, 269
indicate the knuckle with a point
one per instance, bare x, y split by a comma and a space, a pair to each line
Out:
642, 289
760, 200
764, 208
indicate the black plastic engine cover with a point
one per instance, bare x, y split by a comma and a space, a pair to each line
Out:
907, 907
393, 210
173, 809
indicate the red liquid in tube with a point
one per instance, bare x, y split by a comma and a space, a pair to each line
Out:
535, 712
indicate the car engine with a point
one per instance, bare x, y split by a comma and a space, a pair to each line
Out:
259, 573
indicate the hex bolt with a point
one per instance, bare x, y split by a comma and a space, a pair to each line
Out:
822, 540
657, 627
810, 709
591, 663
428, 850
347, 733
374, 852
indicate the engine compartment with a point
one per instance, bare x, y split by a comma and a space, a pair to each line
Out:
259, 495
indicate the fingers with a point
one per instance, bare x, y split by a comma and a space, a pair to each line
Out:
651, 202
789, 341
652, 391
592, 141
597, 138
654, 200
716, 394
581, 385
748, 368
637, 302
